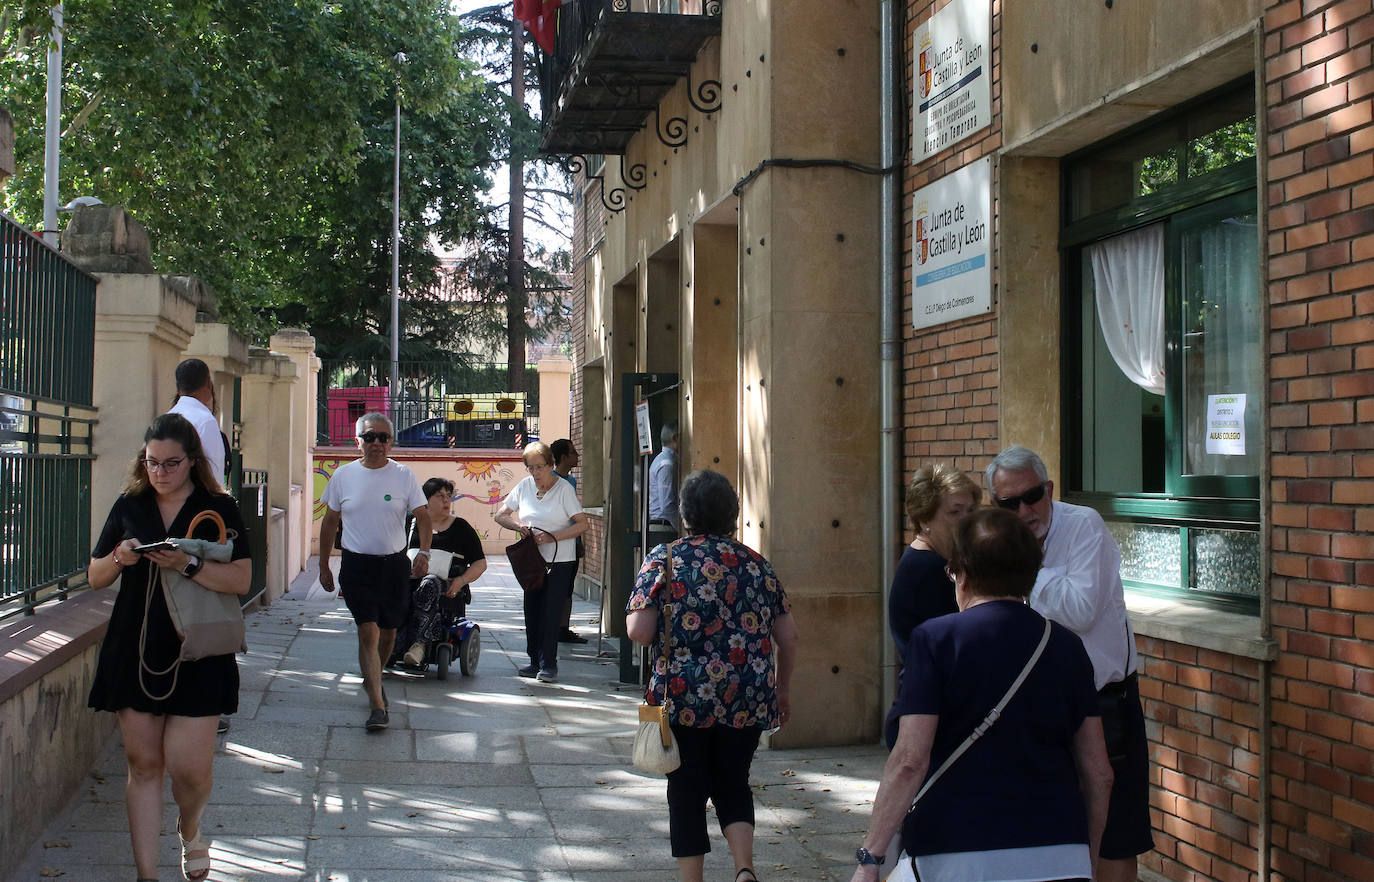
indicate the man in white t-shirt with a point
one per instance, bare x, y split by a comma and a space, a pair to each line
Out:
372, 496
196, 402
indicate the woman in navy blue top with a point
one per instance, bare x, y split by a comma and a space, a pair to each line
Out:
937, 498
1029, 799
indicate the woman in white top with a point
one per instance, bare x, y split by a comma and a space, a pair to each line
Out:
547, 502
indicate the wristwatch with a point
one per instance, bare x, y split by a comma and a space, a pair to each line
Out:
192, 567
867, 858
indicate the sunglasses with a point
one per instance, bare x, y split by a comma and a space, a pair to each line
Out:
375, 437
1030, 497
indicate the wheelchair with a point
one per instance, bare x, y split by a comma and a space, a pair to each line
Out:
461, 640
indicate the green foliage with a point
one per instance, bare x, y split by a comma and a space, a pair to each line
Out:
254, 141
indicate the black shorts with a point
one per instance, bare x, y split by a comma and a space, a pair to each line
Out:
376, 588
1128, 812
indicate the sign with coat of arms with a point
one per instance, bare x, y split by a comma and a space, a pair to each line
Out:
951, 247
953, 69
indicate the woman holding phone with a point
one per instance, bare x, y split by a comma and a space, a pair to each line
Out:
168, 712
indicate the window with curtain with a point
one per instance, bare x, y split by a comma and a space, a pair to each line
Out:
1163, 304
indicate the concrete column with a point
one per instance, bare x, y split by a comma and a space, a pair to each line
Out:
142, 326
810, 422
711, 350
555, 414
268, 420
299, 347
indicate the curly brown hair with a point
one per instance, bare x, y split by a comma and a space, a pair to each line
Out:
932, 483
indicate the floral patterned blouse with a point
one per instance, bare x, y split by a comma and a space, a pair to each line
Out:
721, 604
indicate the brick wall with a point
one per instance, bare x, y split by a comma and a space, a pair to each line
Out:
1202, 715
588, 224
1318, 82
950, 372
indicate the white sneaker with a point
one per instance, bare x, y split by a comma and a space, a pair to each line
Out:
415, 655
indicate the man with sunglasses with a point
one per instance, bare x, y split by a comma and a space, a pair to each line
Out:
1079, 586
372, 496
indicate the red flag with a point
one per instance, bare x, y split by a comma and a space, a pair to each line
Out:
540, 18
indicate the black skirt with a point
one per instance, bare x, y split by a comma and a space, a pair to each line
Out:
204, 688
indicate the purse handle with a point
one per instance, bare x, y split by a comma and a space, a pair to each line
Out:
214, 518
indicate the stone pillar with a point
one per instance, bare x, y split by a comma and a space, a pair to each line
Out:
299, 347
142, 326
268, 424
555, 414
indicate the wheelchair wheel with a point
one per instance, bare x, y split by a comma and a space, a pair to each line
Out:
443, 654
470, 651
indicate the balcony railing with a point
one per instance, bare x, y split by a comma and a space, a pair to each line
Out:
613, 61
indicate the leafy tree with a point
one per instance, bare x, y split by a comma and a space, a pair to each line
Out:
514, 282
254, 141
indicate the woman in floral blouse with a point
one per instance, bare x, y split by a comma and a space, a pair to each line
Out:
727, 615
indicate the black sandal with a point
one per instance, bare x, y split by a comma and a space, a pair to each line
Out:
752, 877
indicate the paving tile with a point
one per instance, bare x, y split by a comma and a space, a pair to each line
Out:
485, 778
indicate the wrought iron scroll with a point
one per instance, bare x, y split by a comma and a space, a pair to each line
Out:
707, 93
634, 176
674, 133
613, 199
712, 7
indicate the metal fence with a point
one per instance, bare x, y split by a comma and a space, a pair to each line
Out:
439, 404
47, 353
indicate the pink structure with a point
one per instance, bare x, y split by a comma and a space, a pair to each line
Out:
346, 405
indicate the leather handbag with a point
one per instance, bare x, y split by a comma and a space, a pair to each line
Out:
655, 748
901, 868
528, 564
209, 623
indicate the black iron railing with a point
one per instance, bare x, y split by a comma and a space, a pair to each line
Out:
439, 403
576, 21
47, 354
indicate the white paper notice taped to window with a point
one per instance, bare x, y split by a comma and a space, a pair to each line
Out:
1226, 424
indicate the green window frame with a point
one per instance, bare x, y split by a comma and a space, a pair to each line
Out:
1187, 520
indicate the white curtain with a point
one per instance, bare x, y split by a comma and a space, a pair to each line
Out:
1128, 279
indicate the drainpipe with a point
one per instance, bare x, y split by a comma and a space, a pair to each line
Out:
890, 294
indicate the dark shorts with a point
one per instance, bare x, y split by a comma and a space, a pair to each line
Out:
376, 588
1128, 813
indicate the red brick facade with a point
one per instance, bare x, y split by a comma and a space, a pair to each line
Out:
588, 222
1208, 712
1318, 83
949, 397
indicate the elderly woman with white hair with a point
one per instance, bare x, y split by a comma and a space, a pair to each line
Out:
547, 506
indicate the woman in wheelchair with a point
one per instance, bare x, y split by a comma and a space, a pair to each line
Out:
457, 537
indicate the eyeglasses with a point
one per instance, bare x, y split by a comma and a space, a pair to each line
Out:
167, 466
1030, 497
375, 437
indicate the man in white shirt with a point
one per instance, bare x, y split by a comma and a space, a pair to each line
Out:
663, 514
196, 402
1079, 586
372, 496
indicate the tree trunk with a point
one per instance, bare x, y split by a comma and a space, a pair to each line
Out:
515, 305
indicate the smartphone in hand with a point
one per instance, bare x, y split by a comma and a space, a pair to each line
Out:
164, 545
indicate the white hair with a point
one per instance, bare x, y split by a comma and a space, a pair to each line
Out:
373, 417
1016, 459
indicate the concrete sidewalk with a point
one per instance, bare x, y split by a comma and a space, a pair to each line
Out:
487, 778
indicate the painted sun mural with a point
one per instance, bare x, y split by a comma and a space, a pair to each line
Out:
476, 469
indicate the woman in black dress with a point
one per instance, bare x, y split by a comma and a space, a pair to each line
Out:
451, 534
167, 721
